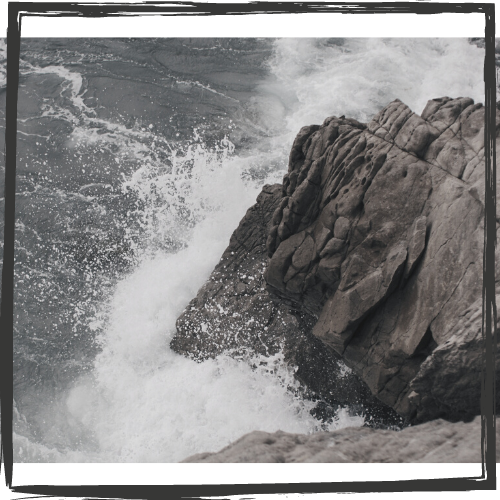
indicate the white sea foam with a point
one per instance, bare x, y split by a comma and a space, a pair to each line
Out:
314, 79
73, 82
196, 182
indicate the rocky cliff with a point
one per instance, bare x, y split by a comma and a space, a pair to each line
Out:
368, 260
380, 234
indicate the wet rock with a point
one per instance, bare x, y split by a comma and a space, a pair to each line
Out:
400, 209
234, 313
433, 442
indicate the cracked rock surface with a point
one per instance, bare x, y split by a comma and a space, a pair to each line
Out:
379, 235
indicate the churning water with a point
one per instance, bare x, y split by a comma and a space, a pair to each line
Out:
137, 159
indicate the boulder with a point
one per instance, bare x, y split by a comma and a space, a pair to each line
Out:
379, 235
433, 442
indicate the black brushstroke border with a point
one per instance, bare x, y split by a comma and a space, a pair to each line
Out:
17, 10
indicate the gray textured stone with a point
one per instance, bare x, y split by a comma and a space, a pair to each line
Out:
376, 235
405, 193
416, 245
433, 442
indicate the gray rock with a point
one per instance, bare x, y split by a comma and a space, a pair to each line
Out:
457, 364
370, 253
341, 228
332, 247
406, 196
433, 442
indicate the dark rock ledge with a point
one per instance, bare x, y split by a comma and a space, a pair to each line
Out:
368, 256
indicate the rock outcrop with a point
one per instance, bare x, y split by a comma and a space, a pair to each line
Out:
433, 442
379, 234
369, 254
232, 311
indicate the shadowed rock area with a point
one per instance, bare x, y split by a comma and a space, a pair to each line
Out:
433, 442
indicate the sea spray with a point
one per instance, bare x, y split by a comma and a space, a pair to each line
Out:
146, 403
357, 77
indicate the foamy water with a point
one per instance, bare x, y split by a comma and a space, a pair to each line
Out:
3, 63
360, 76
144, 403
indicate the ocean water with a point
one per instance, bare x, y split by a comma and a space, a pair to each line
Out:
137, 158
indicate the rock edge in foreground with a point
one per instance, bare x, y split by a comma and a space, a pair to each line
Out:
433, 442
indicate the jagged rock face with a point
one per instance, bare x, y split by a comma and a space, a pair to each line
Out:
433, 442
234, 313
379, 234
